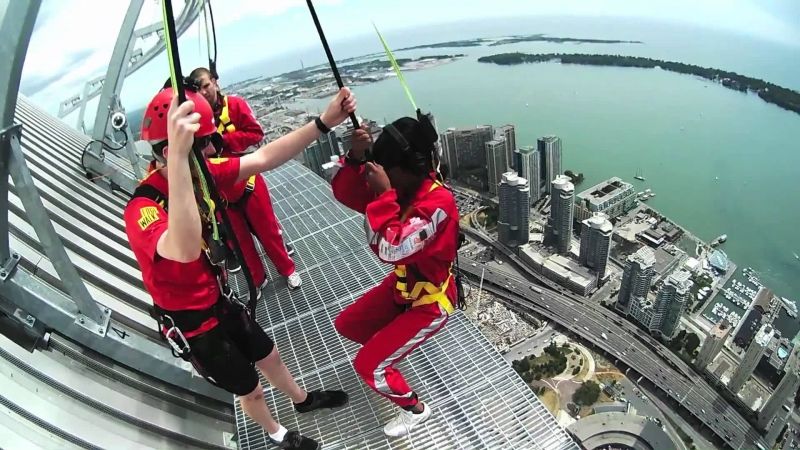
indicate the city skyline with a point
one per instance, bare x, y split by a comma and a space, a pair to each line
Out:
61, 58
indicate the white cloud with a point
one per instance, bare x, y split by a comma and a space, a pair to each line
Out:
230, 12
65, 51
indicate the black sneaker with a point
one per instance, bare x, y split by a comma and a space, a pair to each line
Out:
289, 249
232, 265
322, 400
293, 440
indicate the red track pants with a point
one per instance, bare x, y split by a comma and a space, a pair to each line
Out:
245, 239
261, 218
388, 332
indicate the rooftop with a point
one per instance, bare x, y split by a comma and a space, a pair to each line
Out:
563, 183
527, 149
604, 190
600, 222
512, 179
721, 329
764, 335
644, 256
719, 260
565, 267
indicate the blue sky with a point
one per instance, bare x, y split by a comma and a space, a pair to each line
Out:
65, 51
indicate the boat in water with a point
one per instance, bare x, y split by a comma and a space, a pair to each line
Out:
790, 306
639, 175
719, 240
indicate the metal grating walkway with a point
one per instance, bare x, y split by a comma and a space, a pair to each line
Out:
479, 401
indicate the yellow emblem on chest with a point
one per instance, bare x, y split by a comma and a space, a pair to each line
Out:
148, 215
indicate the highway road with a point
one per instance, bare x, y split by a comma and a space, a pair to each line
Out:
628, 344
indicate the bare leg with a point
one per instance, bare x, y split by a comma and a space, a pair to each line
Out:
254, 406
278, 375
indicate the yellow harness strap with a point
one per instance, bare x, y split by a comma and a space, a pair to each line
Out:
225, 125
433, 293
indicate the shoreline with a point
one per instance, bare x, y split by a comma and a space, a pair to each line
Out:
779, 96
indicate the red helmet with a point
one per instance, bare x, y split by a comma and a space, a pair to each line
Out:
154, 122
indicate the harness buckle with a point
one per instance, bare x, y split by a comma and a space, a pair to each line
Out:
233, 298
180, 347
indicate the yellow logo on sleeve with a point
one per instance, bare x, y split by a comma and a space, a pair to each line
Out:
148, 215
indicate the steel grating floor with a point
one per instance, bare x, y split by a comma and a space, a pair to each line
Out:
479, 402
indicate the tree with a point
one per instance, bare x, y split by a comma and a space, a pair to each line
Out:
524, 365
587, 394
527, 377
692, 342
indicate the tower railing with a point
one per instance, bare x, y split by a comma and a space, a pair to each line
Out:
37, 307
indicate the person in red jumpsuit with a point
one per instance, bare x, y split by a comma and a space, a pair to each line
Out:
202, 324
412, 223
240, 130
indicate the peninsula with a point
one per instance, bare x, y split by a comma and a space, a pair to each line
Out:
769, 92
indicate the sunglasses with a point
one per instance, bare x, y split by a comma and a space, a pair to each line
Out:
200, 143
214, 139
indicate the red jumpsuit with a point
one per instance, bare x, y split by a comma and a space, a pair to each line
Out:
241, 132
414, 301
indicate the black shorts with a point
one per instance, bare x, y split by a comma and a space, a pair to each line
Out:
226, 353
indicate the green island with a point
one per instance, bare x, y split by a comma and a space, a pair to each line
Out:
385, 64
490, 42
557, 40
769, 92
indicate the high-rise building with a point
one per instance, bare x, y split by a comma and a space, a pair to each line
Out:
559, 225
510, 136
636, 279
786, 390
753, 317
321, 150
550, 151
596, 243
671, 302
449, 156
612, 197
513, 218
464, 151
642, 310
314, 157
713, 344
751, 358
496, 161
528, 162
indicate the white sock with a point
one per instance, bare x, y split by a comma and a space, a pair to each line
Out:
279, 435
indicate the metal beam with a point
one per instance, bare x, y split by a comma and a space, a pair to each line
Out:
112, 86
17, 18
39, 219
